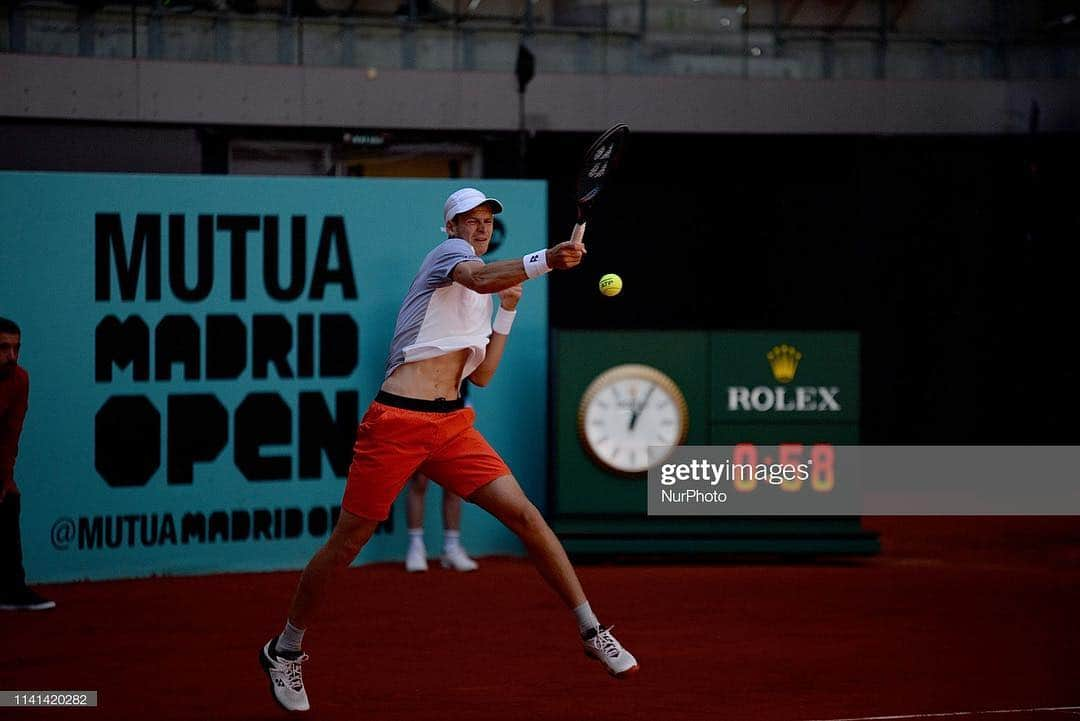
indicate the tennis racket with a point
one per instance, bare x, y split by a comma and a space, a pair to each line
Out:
601, 159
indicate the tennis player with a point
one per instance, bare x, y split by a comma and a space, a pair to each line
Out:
443, 335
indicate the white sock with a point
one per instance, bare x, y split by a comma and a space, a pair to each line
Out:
290, 639
586, 619
451, 540
416, 537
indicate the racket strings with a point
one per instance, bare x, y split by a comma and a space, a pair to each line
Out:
600, 162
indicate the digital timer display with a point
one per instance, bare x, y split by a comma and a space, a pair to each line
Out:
818, 459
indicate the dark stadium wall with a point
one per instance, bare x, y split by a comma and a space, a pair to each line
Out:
99, 147
952, 256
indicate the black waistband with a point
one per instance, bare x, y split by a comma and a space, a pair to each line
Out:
439, 405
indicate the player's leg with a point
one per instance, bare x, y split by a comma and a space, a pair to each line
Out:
391, 442
466, 464
350, 535
281, 656
454, 554
505, 500
416, 554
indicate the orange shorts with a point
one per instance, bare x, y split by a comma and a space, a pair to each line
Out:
392, 443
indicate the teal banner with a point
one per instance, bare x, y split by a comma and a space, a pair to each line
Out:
200, 349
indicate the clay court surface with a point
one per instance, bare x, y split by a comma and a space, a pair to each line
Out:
956, 616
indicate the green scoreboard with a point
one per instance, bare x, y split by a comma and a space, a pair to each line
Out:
767, 392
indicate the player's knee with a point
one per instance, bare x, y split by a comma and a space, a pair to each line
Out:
528, 521
347, 544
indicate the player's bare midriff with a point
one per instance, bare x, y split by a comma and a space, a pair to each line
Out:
428, 379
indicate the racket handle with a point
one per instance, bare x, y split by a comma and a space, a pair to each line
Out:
579, 232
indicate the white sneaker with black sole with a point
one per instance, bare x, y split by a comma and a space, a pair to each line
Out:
601, 645
286, 679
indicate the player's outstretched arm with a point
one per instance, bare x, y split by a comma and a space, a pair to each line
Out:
490, 277
502, 274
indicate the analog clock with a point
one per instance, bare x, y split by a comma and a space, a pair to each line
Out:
631, 417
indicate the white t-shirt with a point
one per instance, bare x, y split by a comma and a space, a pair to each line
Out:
438, 315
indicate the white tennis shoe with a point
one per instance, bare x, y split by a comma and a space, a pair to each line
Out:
286, 679
416, 558
602, 646
457, 559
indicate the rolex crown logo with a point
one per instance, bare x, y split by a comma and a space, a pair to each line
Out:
784, 359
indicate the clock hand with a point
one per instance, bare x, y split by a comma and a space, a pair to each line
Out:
635, 410
640, 407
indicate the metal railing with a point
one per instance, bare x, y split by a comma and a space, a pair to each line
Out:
669, 37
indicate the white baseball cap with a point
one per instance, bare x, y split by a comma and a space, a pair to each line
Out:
464, 200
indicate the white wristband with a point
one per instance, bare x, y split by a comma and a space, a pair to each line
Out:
503, 320
536, 263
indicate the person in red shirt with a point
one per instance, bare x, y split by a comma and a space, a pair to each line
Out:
15, 595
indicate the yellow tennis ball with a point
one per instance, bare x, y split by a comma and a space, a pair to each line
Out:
610, 284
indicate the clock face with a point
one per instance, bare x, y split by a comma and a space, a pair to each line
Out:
631, 417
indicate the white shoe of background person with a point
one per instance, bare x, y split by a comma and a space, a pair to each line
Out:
457, 559
416, 558
24, 599
602, 646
